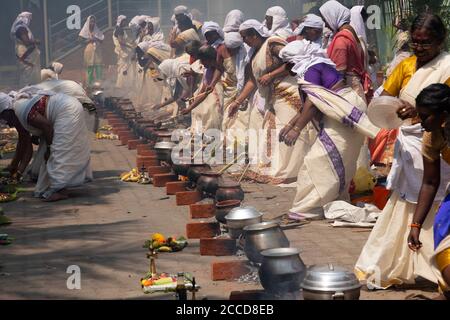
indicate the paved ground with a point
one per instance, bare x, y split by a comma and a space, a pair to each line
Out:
102, 228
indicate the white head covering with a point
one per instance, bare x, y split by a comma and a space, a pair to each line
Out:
335, 14
258, 26
120, 19
138, 20
172, 70
180, 10
157, 33
209, 26
86, 34
233, 40
57, 67
304, 54
23, 20
310, 21
280, 25
233, 20
6, 102
357, 22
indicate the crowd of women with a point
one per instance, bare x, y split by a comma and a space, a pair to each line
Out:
304, 87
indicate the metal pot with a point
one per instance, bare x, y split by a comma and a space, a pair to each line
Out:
208, 183
282, 270
329, 282
164, 151
238, 218
224, 207
229, 191
164, 136
263, 236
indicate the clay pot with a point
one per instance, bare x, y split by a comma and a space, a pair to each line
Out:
195, 172
229, 190
208, 183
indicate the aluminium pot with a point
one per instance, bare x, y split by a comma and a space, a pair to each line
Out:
224, 207
238, 218
263, 236
282, 270
329, 282
164, 151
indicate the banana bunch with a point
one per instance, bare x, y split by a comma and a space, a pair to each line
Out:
103, 136
106, 128
132, 176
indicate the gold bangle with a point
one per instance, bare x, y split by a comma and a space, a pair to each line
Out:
296, 129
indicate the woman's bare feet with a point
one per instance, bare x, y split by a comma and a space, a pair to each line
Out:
56, 197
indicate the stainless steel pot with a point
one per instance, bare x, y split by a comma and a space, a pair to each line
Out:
329, 282
164, 150
238, 218
282, 270
263, 236
224, 207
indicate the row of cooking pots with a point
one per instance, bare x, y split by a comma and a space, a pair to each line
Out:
281, 267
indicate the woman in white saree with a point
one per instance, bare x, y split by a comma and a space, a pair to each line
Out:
27, 52
386, 259
338, 116
59, 121
277, 163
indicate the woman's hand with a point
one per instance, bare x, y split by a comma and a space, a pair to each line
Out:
291, 137
284, 132
233, 109
265, 80
413, 239
406, 111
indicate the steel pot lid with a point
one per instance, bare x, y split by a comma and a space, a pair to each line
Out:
164, 145
280, 252
261, 226
243, 213
330, 278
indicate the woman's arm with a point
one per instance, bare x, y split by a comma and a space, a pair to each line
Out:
430, 186
24, 151
249, 88
279, 72
201, 96
296, 125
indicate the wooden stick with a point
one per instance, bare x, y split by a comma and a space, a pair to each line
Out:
245, 171
228, 166
199, 95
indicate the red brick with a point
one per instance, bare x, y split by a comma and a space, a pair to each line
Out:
218, 247
117, 122
173, 187
132, 144
202, 230
147, 153
202, 210
160, 180
188, 197
228, 270
146, 161
152, 170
